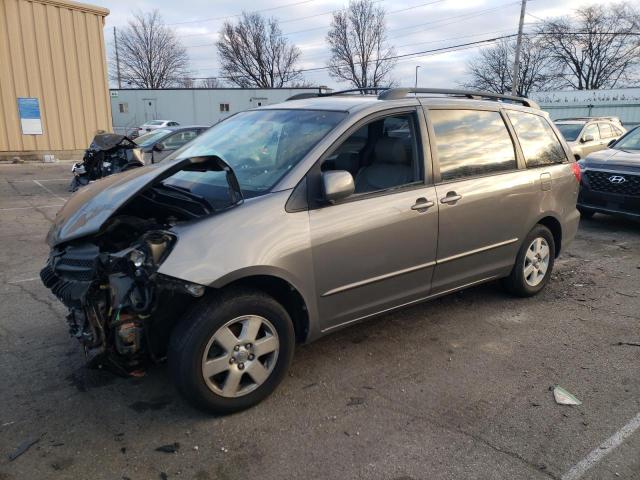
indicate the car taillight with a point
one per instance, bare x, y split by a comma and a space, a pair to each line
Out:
576, 171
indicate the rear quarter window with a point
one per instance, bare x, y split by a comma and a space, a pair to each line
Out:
538, 141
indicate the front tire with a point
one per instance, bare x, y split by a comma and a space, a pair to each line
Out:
231, 351
534, 263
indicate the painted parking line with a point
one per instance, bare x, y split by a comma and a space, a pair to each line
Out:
48, 190
27, 208
604, 449
39, 180
23, 280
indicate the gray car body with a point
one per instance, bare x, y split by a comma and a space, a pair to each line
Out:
355, 259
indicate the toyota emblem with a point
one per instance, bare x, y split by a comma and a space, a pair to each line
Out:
617, 179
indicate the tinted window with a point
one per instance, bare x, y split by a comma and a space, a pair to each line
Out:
537, 139
380, 155
179, 139
152, 137
605, 130
591, 130
471, 142
631, 141
570, 131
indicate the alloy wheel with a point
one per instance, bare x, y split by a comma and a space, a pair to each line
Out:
240, 356
536, 262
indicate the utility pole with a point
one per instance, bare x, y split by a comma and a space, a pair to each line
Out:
417, 67
516, 63
115, 43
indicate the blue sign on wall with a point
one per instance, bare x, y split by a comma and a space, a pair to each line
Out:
30, 121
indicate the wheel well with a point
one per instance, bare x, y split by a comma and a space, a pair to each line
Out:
285, 294
556, 230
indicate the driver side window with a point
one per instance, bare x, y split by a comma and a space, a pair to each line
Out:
591, 130
380, 155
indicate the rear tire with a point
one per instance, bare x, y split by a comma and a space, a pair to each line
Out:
534, 263
231, 351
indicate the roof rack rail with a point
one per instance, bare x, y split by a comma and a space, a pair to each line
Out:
364, 91
606, 117
398, 93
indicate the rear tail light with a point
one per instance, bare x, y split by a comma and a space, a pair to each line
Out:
576, 171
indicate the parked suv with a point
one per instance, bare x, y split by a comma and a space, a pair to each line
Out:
586, 135
290, 221
611, 179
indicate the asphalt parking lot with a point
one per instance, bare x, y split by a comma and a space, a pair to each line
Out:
456, 388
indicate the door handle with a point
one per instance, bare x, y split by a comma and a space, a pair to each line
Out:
422, 204
451, 197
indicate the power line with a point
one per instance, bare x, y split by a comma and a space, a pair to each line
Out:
212, 19
394, 57
456, 18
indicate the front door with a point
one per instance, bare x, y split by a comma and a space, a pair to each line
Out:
376, 250
482, 195
149, 109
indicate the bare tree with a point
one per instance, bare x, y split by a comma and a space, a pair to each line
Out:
151, 56
255, 53
600, 48
358, 44
211, 82
492, 69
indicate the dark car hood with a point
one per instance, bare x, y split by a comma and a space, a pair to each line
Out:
86, 211
613, 157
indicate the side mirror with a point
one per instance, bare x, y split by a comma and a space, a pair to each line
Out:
611, 142
337, 184
158, 147
587, 138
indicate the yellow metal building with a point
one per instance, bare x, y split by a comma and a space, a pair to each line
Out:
54, 92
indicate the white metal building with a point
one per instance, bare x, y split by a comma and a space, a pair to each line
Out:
191, 106
623, 103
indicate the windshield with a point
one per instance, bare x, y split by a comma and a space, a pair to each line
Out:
150, 138
631, 141
570, 131
260, 145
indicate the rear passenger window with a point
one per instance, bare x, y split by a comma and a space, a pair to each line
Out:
471, 143
537, 139
605, 130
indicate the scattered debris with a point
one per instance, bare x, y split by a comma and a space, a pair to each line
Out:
309, 385
123, 450
23, 447
196, 448
355, 401
171, 448
627, 295
224, 449
158, 403
164, 476
62, 463
563, 397
630, 344
7, 424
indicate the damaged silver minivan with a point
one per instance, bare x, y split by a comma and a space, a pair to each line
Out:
287, 222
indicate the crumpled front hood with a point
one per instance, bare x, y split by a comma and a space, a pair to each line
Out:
87, 210
613, 157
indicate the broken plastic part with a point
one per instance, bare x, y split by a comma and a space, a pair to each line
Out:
563, 397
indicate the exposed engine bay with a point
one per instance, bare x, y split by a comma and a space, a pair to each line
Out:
108, 153
120, 308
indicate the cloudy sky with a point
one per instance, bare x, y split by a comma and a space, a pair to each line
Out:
413, 26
